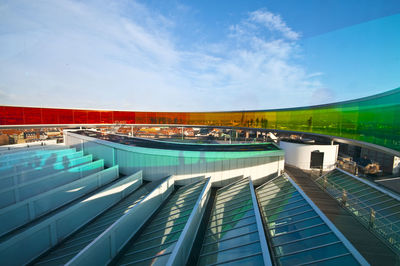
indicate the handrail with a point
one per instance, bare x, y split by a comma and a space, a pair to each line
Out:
389, 193
373, 220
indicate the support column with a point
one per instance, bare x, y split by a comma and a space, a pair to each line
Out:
344, 197
371, 218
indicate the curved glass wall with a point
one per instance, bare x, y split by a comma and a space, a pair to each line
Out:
373, 119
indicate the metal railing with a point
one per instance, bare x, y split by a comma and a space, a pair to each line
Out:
377, 223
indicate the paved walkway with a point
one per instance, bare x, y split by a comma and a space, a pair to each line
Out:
373, 249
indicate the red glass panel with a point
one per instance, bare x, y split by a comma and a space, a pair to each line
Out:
32, 115
140, 118
66, 116
151, 118
123, 117
169, 118
106, 117
80, 117
12, 116
179, 118
50, 116
94, 117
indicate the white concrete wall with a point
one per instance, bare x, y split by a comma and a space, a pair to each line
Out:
299, 155
222, 167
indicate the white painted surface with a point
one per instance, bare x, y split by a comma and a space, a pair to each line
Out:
299, 155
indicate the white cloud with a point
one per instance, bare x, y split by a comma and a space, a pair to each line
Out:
322, 95
273, 22
120, 55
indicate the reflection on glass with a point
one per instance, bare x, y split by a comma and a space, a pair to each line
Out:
296, 232
71, 246
158, 238
362, 199
232, 236
372, 119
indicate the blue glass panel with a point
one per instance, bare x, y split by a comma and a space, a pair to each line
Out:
295, 226
292, 218
277, 194
230, 233
233, 200
313, 255
278, 240
233, 218
222, 208
287, 213
157, 240
283, 202
256, 260
232, 225
284, 208
232, 242
230, 211
341, 260
305, 244
230, 254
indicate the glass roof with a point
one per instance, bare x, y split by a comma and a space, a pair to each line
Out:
232, 235
157, 240
297, 234
64, 252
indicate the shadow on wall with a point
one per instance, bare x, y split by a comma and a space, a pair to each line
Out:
183, 164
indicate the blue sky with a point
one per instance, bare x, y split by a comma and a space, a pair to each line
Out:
196, 55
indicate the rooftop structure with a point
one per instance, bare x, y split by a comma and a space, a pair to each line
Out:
67, 211
103, 198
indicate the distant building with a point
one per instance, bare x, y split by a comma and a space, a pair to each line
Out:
17, 138
4, 139
30, 135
